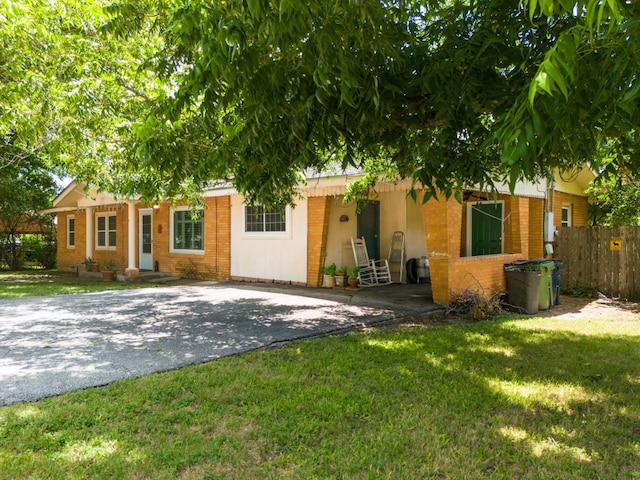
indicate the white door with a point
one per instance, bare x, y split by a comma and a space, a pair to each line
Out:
146, 239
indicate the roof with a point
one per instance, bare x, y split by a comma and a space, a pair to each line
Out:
331, 181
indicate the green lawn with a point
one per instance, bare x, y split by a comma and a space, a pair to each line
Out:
50, 282
516, 398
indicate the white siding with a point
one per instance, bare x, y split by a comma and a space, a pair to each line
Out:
283, 259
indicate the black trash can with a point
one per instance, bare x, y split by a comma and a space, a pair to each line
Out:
555, 278
545, 267
523, 288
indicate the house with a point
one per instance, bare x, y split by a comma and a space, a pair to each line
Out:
467, 243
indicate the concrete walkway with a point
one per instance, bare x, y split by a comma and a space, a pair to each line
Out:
51, 345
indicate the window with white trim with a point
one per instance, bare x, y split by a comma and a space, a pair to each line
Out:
106, 231
187, 229
259, 219
71, 231
566, 215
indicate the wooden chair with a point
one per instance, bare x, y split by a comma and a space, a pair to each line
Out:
372, 272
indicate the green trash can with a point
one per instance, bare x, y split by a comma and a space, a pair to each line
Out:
545, 267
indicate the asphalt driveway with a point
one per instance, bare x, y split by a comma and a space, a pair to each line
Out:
50, 345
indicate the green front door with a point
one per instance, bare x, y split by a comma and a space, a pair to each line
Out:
369, 228
486, 228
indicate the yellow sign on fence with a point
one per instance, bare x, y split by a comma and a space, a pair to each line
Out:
615, 244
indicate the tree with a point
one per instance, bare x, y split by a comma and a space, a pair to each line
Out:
615, 200
69, 91
257, 92
447, 93
26, 187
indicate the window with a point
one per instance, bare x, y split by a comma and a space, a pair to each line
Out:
485, 228
106, 231
566, 215
259, 219
71, 231
188, 230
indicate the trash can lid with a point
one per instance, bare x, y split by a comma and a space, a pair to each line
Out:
539, 264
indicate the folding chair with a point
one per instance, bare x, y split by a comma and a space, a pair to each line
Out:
372, 272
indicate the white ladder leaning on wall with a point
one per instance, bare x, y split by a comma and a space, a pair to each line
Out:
396, 253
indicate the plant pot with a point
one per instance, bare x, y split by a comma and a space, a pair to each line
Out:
328, 281
353, 282
108, 275
341, 281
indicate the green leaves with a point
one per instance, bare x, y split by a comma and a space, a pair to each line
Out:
556, 72
163, 98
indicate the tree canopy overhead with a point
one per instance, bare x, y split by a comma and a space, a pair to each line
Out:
448, 93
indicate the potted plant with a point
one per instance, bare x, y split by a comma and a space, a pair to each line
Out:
341, 276
353, 277
109, 270
329, 276
90, 265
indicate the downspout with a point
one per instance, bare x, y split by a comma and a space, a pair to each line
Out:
549, 227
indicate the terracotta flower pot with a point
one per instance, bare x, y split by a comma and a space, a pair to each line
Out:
108, 275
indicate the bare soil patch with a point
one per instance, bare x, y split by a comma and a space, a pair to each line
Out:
580, 307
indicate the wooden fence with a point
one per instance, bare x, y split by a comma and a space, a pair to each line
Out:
605, 258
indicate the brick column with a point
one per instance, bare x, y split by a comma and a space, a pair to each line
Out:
318, 209
442, 223
516, 229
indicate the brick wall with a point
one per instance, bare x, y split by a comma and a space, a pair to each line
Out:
119, 255
443, 223
318, 209
579, 209
451, 272
536, 228
215, 262
484, 274
67, 257
516, 225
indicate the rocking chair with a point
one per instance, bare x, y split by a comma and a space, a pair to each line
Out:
372, 272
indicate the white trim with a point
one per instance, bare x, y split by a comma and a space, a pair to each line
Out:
107, 215
171, 227
285, 234
469, 232
69, 218
58, 210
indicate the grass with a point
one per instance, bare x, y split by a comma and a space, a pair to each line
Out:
517, 398
31, 283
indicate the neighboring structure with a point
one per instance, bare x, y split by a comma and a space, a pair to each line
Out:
467, 243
